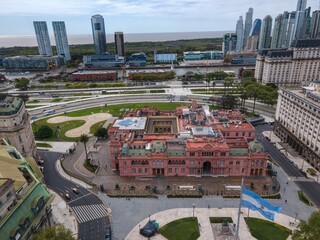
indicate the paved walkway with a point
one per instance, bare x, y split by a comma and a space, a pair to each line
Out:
61, 147
203, 215
62, 215
293, 156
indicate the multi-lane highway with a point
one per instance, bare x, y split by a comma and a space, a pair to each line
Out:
90, 212
309, 187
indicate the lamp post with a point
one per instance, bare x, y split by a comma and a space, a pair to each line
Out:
193, 207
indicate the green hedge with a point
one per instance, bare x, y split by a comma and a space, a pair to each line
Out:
304, 198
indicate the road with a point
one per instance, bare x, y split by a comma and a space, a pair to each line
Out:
89, 210
310, 188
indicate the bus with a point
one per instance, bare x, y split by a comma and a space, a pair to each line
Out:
48, 112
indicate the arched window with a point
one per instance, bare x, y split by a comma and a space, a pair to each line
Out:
169, 162
132, 162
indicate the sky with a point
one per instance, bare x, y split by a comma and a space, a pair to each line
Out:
137, 16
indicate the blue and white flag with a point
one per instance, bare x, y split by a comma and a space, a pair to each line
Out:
254, 202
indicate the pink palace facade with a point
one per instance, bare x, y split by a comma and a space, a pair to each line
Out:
190, 141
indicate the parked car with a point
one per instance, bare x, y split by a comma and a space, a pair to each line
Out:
75, 190
41, 169
108, 232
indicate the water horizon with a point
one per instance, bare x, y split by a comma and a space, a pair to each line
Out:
7, 41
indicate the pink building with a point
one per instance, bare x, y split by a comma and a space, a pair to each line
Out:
187, 142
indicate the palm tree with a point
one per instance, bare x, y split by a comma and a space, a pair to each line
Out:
84, 139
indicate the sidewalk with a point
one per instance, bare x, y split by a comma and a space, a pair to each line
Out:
62, 215
203, 214
297, 160
62, 147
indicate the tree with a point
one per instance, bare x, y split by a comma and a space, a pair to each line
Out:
84, 139
22, 84
247, 74
309, 230
101, 133
213, 85
253, 90
227, 101
54, 233
44, 132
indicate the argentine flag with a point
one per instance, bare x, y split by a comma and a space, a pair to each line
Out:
254, 202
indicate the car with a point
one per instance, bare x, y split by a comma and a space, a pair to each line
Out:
75, 190
108, 232
40, 161
67, 196
41, 169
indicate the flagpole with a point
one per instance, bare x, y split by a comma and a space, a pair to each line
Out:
239, 211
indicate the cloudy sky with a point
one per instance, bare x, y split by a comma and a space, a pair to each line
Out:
137, 16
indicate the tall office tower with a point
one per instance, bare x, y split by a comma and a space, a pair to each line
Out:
306, 28
60, 35
287, 28
256, 28
298, 25
239, 33
247, 26
119, 42
265, 33
315, 25
276, 33
99, 34
301, 5
43, 39
229, 42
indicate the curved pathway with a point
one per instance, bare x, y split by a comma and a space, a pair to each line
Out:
85, 128
203, 215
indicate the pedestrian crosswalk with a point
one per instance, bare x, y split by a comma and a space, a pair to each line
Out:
87, 213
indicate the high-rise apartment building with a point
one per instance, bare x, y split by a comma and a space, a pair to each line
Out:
239, 33
299, 21
290, 67
247, 26
99, 34
287, 28
301, 5
253, 39
229, 42
297, 121
265, 33
119, 43
315, 25
60, 35
276, 33
43, 39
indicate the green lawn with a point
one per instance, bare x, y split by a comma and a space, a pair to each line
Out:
181, 229
304, 198
34, 106
44, 145
115, 109
95, 126
266, 230
64, 127
56, 100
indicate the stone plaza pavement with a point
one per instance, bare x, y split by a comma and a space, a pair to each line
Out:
203, 215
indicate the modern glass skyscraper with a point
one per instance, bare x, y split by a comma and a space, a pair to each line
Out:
229, 42
299, 21
60, 35
287, 28
276, 33
239, 33
99, 34
265, 33
43, 39
301, 5
315, 25
119, 42
256, 28
247, 26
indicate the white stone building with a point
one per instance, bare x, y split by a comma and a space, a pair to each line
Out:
297, 121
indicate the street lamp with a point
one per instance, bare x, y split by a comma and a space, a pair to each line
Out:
193, 206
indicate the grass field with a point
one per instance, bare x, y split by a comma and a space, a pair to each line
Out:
44, 145
181, 229
64, 127
115, 110
266, 230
